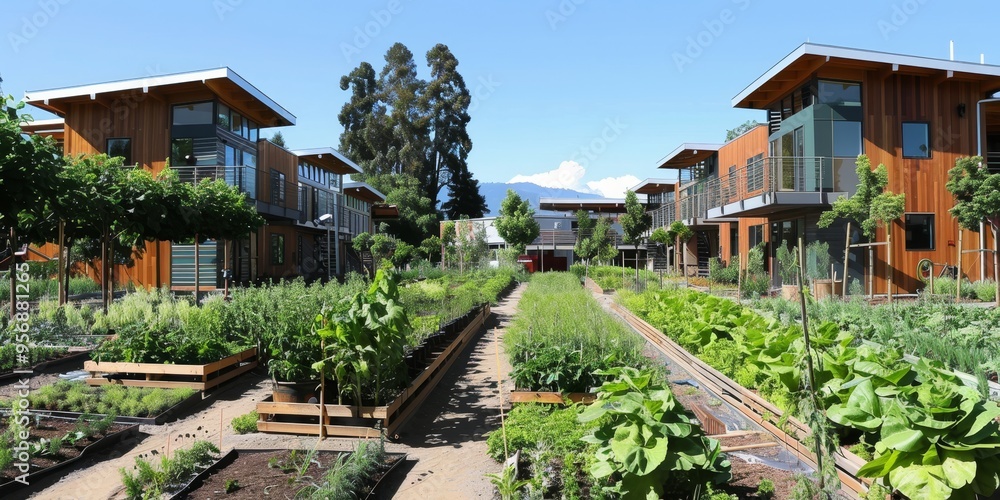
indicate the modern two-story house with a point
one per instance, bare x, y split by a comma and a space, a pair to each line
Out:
823, 106
207, 124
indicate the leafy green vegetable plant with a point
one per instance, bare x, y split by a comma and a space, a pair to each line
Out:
646, 440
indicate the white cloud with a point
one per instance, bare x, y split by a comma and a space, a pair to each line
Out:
613, 187
570, 175
567, 176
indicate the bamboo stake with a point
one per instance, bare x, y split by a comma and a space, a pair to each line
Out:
220, 429
889, 269
503, 423
62, 263
739, 279
809, 361
322, 393
958, 281
847, 257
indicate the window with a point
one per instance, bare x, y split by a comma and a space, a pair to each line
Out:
182, 153
120, 147
919, 231
236, 123
222, 117
756, 235
916, 140
839, 93
277, 188
277, 249
199, 113
232, 158
846, 139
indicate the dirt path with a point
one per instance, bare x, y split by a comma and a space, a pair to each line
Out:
445, 440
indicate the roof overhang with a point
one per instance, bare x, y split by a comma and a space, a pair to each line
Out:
223, 82
363, 192
54, 127
602, 205
654, 186
330, 159
688, 155
796, 68
384, 212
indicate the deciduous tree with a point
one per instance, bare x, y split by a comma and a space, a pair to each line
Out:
977, 199
516, 223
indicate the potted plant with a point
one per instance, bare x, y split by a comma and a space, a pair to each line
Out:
292, 355
788, 264
818, 269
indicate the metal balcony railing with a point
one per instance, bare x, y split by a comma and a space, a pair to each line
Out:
664, 215
769, 175
243, 177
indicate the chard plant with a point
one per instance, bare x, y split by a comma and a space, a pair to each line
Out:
646, 440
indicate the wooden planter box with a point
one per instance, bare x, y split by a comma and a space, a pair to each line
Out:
368, 421
198, 377
754, 407
551, 397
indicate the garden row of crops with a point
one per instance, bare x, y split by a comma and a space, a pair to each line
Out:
964, 338
635, 440
923, 432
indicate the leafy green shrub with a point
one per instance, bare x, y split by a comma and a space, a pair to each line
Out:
246, 423
533, 426
726, 274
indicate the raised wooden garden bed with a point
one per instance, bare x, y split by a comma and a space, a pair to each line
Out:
69, 357
551, 397
751, 405
198, 377
37, 480
368, 421
170, 414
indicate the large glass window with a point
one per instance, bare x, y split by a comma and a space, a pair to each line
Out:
277, 249
199, 113
919, 231
120, 147
182, 153
222, 118
847, 139
916, 140
839, 93
236, 123
755, 235
277, 188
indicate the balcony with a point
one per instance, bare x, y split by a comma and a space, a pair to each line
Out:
243, 177
770, 185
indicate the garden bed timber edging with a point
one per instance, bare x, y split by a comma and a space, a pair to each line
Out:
228, 458
547, 397
36, 477
592, 285
369, 421
751, 405
167, 376
49, 363
169, 414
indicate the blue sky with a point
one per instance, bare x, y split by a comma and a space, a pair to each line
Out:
584, 94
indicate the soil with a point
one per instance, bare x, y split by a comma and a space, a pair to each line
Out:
49, 429
257, 477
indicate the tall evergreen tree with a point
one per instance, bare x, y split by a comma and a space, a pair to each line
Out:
399, 92
464, 197
364, 129
446, 102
